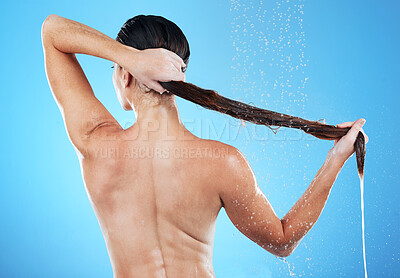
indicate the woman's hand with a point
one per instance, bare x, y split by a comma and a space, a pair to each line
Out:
152, 65
344, 147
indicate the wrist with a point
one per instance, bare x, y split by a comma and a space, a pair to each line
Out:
335, 158
125, 53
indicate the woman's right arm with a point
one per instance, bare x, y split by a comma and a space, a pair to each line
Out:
83, 113
250, 211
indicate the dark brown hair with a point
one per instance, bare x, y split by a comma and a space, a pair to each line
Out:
142, 32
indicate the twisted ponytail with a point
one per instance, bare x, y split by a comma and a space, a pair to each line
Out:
212, 100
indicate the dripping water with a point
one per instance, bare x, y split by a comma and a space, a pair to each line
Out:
362, 222
288, 265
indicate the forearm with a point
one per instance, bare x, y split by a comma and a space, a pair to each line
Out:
305, 212
69, 36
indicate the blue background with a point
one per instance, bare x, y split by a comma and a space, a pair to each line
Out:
333, 60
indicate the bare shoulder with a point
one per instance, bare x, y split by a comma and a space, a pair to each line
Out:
230, 168
224, 153
234, 159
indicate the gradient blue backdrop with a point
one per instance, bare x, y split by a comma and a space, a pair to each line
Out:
347, 51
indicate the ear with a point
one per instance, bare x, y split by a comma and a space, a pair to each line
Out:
126, 78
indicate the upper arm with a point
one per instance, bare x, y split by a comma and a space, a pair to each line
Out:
248, 208
81, 110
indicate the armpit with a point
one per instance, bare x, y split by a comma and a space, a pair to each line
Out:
100, 125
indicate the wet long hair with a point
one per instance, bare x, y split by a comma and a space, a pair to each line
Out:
149, 31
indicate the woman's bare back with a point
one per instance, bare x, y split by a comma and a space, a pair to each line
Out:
155, 202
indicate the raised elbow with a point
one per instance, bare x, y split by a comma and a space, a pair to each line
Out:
50, 19
48, 23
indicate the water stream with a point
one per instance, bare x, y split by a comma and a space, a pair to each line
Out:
362, 222
288, 264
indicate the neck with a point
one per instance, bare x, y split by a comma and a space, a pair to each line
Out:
158, 118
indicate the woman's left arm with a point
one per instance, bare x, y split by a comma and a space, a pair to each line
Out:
82, 111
